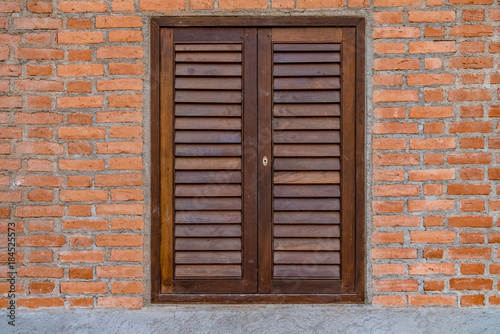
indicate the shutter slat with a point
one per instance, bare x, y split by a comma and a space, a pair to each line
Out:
224, 110
319, 123
207, 177
207, 244
208, 137
208, 257
208, 57
306, 83
309, 164
306, 57
321, 96
306, 47
207, 96
208, 83
306, 191
306, 70
284, 217
212, 47
306, 177
299, 257
319, 137
208, 217
208, 270
216, 190
306, 204
209, 70
307, 231
205, 123
203, 204
309, 244
305, 271
306, 110
219, 150
221, 230
207, 163
282, 150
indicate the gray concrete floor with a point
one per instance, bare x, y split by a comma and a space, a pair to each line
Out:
266, 319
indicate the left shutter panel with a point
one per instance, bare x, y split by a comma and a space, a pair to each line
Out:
214, 124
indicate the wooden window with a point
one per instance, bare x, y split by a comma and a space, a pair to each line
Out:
257, 160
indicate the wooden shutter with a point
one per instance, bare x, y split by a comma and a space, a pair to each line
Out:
307, 211
233, 228
213, 237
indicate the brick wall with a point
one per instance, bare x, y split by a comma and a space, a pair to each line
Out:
74, 146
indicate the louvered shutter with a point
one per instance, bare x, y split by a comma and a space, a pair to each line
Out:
310, 223
213, 242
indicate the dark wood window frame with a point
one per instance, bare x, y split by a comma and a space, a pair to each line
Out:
161, 236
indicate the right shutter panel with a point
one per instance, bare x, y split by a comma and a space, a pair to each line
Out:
309, 248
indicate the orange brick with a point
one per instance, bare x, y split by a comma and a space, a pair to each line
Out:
393, 127
471, 142
431, 300
82, 6
471, 221
80, 70
80, 273
472, 30
469, 253
83, 287
395, 64
469, 158
118, 240
433, 221
430, 205
82, 256
127, 302
72, 37
469, 189
433, 253
433, 285
433, 189
110, 52
119, 271
388, 17
432, 47
396, 220
394, 253
388, 300
396, 32
472, 238
388, 269
471, 284
472, 300
472, 268
387, 237
126, 255
93, 225
432, 236
395, 285
126, 287
387, 206
121, 21
432, 268
40, 272
388, 175
472, 205
37, 23
35, 303
432, 143
431, 16
41, 287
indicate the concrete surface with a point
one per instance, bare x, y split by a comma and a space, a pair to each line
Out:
268, 319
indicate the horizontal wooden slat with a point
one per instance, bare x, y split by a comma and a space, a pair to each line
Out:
220, 150
307, 231
306, 191
207, 163
310, 70
207, 270
207, 257
306, 177
221, 110
332, 271
318, 96
208, 57
208, 83
207, 96
307, 123
208, 217
207, 47
306, 110
292, 217
306, 150
306, 164
313, 257
208, 244
318, 34
207, 136
207, 123
306, 57
209, 204
214, 231
230, 70
322, 137
306, 47
306, 204
306, 83
208, 190
310, 244
207, 177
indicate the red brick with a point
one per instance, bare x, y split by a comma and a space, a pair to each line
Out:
470, 127
119, 52
80, 148
385, 48
81, 302
40, 272
387, 206
432, 47
38, 181
118, 21
39, 211
431, 16
472, 300
472, 205
118, 240
35, 303
41, 257
387, 237
433, 285
396, 3
396, 220
471, 284
388, 269
393, 127
125, 163
388, 80
119, 117
83, 287
82, 6
395, 95
119, 271
469, 158
431, 300
126, 255
125, 69
82, 256
388, 300
127, 224
41, 287
472, 30
469, 253
41, 241
432, 174
72, 37
395, 64
432, 237
432, 268
388, 17
396, 32
395, 285
471, 62
40, 195
433, 253
430, 205
37, 23
125, 36
394, 253
126, 287
472, 268
118, 180
126, 195
432, 143
469, 189
80, 70
471, 47
80, 273
395, 190
388, 175
76, 55
471, 143
79, 181
40, 7
127, 302
79, 102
